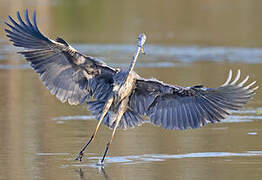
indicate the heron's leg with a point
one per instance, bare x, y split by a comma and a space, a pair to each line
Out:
120, 113
106, 108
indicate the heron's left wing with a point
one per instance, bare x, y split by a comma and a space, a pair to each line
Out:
68, 74
175, 107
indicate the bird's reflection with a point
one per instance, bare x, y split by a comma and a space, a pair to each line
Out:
101, 171
81, 173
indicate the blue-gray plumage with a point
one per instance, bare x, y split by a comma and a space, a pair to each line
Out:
120, 97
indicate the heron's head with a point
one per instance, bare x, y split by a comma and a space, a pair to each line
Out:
141, 41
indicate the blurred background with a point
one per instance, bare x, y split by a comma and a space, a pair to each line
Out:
188, 42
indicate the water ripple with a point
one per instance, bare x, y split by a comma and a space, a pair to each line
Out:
14, 66
183, 54
51, 154
66, 118
229, 119
122, 65
134, 159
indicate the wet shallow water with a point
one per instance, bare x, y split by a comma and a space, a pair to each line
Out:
40, 137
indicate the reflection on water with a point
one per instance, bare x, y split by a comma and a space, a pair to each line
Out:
101, 171
189, 42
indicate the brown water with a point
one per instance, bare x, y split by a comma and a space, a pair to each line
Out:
189, 42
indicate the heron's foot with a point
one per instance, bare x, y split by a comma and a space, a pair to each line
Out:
100, 163
80, 156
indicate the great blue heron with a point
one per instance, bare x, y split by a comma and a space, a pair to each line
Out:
120, 98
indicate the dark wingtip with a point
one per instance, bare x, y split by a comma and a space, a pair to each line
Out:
18, 14
26, 12
27, 18
34, 17
10, 18
26, 15
6, 23
34, 21
7, 30
60, 40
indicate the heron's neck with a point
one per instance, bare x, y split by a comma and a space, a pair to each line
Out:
133, 62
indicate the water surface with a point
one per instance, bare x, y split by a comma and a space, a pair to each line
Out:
189, 42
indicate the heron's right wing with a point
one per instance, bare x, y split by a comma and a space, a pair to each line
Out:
175, 107
68, 74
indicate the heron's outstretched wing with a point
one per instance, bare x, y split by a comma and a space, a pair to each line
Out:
68, 74
181, 108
